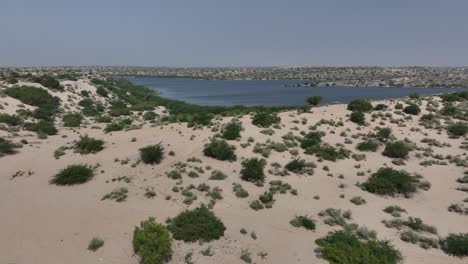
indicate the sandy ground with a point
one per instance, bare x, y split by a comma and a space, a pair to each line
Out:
43, 223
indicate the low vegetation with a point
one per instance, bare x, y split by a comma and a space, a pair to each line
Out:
87, 145
152, 242
6, 147
72, 120
95, 244
152, 154
220, 150
387, 181
73, 174
252, 170
232, 131
398, 149
455, 245
360, 105
264, 119
303, 221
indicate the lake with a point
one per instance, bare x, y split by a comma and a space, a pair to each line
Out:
268, 92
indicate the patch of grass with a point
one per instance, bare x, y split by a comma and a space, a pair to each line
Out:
95, 244
220, 150
47, 104
114, 127
87, 145
217, 175
345, 248
295, 165
119, 195
368, 145
314, 100
231, 131
150, 115
455, 245
360, 105
239, 191
72, 120
6, 147
48, 82
152, 242
398, 149
152, 154
358, 200
73, 174
387, 181
12, 120
358, 118
458, 129
256, 205
199, 224
412, 109
328, 152
42, 127
394, 210
303, 221
252, 170
264, 119
312, 139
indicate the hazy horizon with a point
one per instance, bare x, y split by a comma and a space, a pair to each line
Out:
211, 33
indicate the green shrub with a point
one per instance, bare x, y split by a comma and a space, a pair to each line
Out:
102, 91
232, 130
86, 102
303, 221
368, 145
311, 139
220, 150
152, 154
150, 115
383, 134
48, 81
344, 247
412, 109
264, 119
152, 242
358, 118
387, 181
314, 100
398, 149
12, 120
88, 145
103, 119
252, 170
458, 129
296, 165
199, 224
114, 127
6, 147
47, 104
95, 244
328, 152
73, 174
360, 105
42, 127
380, 107
455, 245
72, 120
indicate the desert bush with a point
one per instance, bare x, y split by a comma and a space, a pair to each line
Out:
88, 145
152, 154
103, 119
199, 224
152, 242
368, 145
73, 174
412, 109
48, 81
394, 210
387, 181
455, 245
311, 139
239, 191
12, 120
95, 244
314, 100
358, 200
72, 120
102, 91
256, 205
296, 165
264, 119
328, 152
458, 129
232, 130
383, 134
303, 221
217, 175
360, 105
149, 115
358, 118
42, 127
114, 127
398, 149
119, 195
33, 96
220, 150
252, 170
6, 147
380, 107
345, 248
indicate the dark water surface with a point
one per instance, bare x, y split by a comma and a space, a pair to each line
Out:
270, 92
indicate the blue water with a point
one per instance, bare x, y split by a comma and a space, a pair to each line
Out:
269, 92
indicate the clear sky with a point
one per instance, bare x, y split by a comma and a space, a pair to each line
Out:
234, 33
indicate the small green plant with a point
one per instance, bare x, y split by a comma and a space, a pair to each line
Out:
345, 247
72, 120
455, 245
95, 244
412, 109
314, 100
87, 145
264, 119
239, 191
6, 147
312, 139
387, 181
252, 170
220, 150
12, 120
42, 127
152, 154
119, 195
114, 127
458, 129
152, 242
368, 145
358, 118
199, 224
398, 149
358, 200
232, 130
217, 175
296, 165
73, 174
149, 115
360, 105
303, 221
